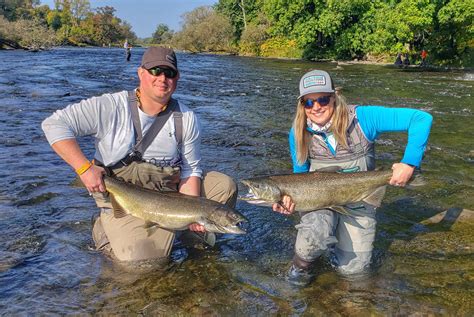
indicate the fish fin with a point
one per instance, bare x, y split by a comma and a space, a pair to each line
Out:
149, 224
341, 210
118, 211
376, 197
151, 229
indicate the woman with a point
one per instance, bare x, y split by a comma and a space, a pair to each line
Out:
328, 133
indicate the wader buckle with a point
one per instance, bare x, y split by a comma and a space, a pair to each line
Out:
132, 157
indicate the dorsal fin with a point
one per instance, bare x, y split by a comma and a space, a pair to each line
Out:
118, 211
376, 197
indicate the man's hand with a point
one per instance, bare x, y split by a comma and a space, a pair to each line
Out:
196, 227
92, 179
286, 206
401, 174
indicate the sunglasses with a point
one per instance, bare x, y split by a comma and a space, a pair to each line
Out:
157, 71
322, 101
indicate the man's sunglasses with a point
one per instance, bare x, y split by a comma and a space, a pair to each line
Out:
322, 101
157, 71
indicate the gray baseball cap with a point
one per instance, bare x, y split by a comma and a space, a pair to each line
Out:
315, 81
159, 56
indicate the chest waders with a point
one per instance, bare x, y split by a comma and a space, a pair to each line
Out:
158, 175
349, 237
127, 238
359, 156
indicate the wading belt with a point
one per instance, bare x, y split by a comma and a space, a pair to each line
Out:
142, 142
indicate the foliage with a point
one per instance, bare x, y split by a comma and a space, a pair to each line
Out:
455, 32
311, 29
240, 13
162, 34
71, 21
30, 34
361, 29
198, 25
252, 38
280, 47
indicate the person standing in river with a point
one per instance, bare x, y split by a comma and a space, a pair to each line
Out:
145, 137
128, 51
327, 133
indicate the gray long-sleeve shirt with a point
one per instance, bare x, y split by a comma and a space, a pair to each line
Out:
109, 120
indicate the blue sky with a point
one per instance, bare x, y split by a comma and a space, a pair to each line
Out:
145, 15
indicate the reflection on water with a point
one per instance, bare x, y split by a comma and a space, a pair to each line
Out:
246, 106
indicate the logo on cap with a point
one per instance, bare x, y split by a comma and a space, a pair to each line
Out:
171, 59
316, 80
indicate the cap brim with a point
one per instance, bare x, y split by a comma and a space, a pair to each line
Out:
316, 91
159, 63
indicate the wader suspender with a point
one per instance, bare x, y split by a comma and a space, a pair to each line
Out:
142, 142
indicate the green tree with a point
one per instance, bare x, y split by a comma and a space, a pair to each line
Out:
454, 32
239, 12
198, 25
162, 34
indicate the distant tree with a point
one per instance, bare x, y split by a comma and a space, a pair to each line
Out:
29, 34
162, 34
204, 30
13, 10
239, 12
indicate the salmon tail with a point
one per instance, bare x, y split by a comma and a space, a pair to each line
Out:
118, 211
376, 197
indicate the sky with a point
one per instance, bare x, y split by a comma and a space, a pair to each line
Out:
145, 15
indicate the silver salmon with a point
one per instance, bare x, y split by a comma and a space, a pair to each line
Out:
318, 190
172, 210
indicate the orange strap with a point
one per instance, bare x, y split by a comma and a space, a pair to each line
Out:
81, 170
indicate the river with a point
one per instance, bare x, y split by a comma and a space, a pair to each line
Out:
246, 106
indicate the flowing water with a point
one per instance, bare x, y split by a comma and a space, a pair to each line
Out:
246, 106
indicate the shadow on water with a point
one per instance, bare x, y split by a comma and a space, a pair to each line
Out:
245, 105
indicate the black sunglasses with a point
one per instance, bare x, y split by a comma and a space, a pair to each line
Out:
322, 101
157, 71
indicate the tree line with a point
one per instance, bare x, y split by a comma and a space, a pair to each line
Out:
374, 30
28, 24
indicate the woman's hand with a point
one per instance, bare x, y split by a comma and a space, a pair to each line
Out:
286, 206
401, 174
92, 179
197, 227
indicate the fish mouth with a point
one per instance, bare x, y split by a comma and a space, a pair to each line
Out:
234, 228
251, 198
251, 195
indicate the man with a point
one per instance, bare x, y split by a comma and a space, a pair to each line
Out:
133, 145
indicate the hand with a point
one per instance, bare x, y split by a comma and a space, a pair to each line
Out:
401, 174
197, 227
286, 206
92, 179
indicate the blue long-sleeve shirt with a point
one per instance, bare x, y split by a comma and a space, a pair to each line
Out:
375, 120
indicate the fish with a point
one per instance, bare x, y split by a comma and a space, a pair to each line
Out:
321, 190
172, 210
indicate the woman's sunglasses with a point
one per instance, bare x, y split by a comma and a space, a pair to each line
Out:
322, 101
157, 71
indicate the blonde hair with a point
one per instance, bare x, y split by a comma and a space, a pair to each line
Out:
339, 125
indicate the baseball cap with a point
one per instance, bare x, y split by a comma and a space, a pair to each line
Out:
159, 56
315, 81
